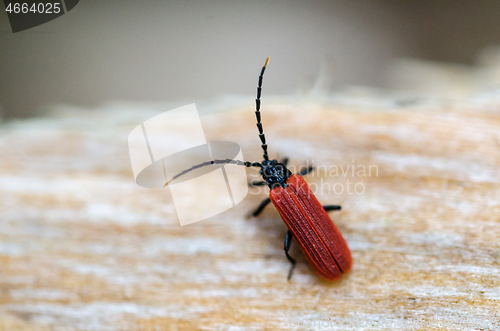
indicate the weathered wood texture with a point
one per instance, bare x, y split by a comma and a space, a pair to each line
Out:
82, 247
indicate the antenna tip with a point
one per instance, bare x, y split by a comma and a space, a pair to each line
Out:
267, 60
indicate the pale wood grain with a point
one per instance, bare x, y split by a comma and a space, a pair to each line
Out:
82, 247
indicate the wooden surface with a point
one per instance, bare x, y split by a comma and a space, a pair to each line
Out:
82, 247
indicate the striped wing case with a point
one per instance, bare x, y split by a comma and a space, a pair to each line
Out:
318, 238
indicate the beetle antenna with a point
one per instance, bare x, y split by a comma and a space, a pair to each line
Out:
207, 163
257, 111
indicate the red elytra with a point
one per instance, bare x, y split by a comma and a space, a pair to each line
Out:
318, 237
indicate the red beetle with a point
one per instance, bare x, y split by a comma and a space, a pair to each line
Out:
307, 220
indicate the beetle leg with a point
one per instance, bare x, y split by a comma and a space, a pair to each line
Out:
257, 183
332, 207
261, 207
285, 161
288, 242
304, 172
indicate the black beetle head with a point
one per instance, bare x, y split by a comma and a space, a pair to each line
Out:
274, 173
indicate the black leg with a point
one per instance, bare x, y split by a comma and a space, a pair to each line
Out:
261, 207
288, 242
285, 161
304, 172
332, 207
257, 183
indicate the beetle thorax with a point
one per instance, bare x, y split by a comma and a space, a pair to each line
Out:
274, 173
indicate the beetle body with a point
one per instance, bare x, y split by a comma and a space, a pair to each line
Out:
318, 237
307, 220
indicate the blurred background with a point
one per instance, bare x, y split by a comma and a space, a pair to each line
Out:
191, 51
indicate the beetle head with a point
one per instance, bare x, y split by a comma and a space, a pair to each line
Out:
274, 173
